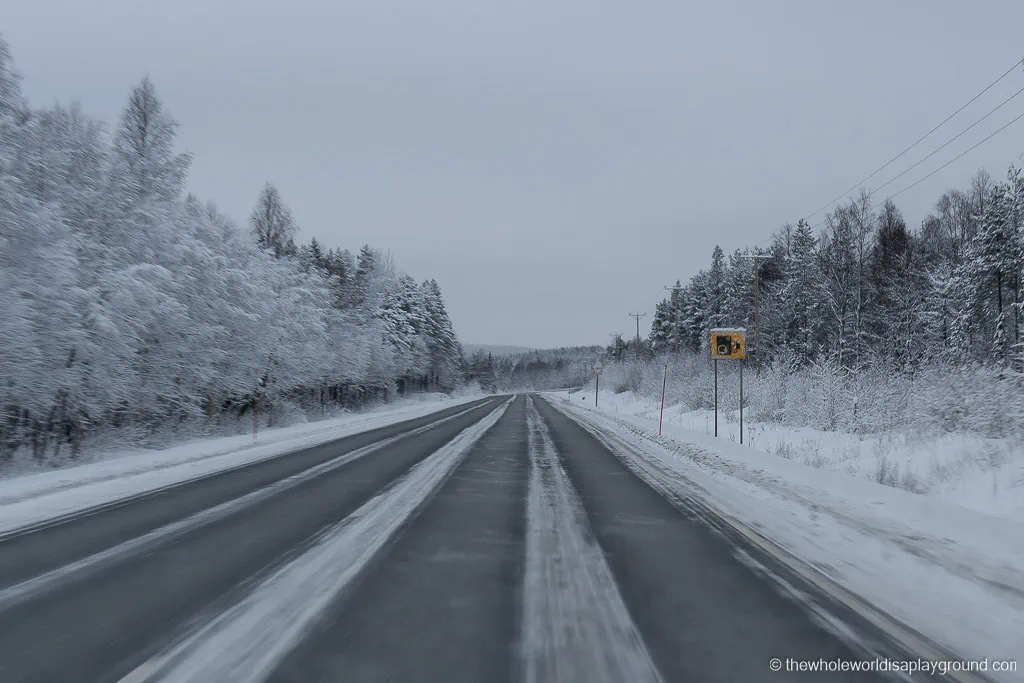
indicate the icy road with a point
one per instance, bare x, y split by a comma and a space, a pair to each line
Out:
498, 540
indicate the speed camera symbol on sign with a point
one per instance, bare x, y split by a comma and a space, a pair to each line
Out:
728, 343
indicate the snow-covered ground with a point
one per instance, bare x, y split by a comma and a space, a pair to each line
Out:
36, 498
951, 572
984, 474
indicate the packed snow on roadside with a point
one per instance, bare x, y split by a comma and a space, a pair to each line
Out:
984, 474
950, 572
34, 498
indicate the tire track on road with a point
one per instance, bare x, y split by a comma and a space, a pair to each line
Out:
85, 567
247, 641
576, 626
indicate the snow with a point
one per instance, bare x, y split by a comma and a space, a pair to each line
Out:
249, 639
38, 498
575, 623
984, 474
164, 316
947, 571
83, 567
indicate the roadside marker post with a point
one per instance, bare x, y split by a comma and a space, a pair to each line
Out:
664, 382
729, 343
597, 380
256, 407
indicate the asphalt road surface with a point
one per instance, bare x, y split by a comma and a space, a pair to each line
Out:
496, 541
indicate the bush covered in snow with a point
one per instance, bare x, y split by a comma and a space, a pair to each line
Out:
938, 398
947, 430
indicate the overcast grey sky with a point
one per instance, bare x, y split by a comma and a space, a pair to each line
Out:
553, 164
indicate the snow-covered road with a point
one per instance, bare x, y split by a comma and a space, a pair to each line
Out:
948, 575
512, 539
47, 496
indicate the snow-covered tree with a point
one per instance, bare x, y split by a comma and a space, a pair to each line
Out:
272, 224
442, 342
800, 297
129, 306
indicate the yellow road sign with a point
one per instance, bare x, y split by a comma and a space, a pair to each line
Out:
728, 343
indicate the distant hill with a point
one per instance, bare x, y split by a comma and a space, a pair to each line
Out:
495, 349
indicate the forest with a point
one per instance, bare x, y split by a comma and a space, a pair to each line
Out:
132, 307
862, 322
536, 370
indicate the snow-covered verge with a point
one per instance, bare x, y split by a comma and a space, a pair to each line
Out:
969, 469
35, 498
949, 572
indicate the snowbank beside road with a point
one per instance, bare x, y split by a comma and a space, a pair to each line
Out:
951, 573
984, 474
35, 498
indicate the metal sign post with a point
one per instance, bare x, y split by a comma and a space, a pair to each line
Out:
597, 381
729, 343
716, 397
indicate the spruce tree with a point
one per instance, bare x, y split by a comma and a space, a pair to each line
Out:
801, 292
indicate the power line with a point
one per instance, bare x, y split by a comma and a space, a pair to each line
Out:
954, 159
919, 140
957, 157
1006, 73
949, 142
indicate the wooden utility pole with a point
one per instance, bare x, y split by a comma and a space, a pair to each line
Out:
664, 383
637, 316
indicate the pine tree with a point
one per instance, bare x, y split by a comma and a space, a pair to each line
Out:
316, 254
367, 264
442, 342
696, 316
660, 327
738, 295
13, 109
985, 285
340, 265
996, 253
715, 313
800, 294
890, 282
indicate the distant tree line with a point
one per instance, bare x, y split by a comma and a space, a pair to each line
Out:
865, 324
130, 306
867, 289
537, 370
